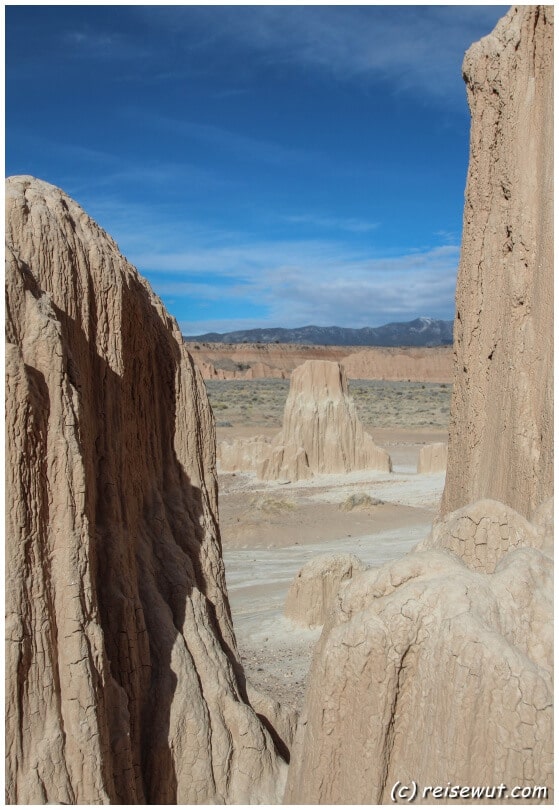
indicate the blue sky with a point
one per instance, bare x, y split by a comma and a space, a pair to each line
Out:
260, 165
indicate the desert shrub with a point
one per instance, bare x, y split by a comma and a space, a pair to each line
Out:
360, 501
271, 505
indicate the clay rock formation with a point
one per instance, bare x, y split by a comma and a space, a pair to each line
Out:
501, 427
432, 458
410, 363
542, 520
317, 583
429, 671
321, 431
482, 533
230, 361
223, 361
226, 369
242, 454
438, 667
123, 683
285, 463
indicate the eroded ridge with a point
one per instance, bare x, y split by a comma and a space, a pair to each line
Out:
430, 671
123, 680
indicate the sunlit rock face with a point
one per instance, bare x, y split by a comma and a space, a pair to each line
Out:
483, 532
243, 454
501, 430
432, 458
321, 431
121, 661
429, 671
437, 668
316, 584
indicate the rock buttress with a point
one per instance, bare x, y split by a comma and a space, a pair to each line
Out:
120, 656
501, 440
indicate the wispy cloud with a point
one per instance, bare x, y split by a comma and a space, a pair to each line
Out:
235, 275
333, 223
448, 237
295, 283
89, 43
107, 183
415, 48
70, 151
244, 147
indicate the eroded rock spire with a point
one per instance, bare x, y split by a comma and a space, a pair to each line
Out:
121, 663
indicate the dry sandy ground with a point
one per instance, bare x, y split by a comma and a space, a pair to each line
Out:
270, 530
380, 403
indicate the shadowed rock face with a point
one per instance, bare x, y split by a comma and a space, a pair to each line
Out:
438, 667
501, 427
120, 657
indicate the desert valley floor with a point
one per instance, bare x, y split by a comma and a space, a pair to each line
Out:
271, 529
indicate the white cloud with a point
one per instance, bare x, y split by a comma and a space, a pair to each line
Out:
298, 283
276, 282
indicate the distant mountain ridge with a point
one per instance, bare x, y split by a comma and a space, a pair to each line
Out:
419, 332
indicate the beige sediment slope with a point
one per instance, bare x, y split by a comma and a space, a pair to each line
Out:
437, 668
220, 361
413, 364
121, 662
243, 453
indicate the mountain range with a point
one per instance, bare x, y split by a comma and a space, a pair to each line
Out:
419, 332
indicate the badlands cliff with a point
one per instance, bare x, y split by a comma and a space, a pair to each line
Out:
220, 361
438, 668
123, 680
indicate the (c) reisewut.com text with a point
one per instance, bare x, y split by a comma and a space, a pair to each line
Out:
402, 792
